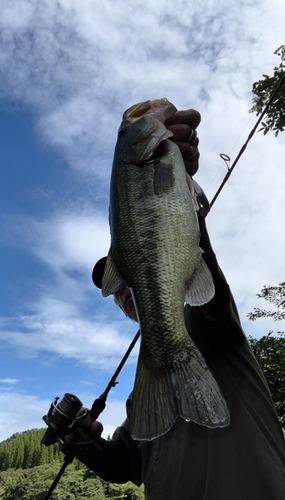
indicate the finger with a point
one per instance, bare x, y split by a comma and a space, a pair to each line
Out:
97, 429
181, 132
91, 432
86, 426
81, 411
188, 152
189, 117
191, 167
93, 429
77, 436
188, 144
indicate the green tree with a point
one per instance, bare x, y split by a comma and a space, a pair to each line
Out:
32, 484
270, 349
274, 295
21, 479
24, 450
262, 90
270, 353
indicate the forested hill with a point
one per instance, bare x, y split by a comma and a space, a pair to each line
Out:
29, 468
24, 450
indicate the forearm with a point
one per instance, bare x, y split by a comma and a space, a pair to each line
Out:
119, 461
220, 303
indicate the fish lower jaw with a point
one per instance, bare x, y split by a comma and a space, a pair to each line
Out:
161, 150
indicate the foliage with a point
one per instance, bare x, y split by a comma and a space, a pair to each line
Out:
275, 115
29, 468
269, 349
276, 296
270, 353
32, 484
24, 450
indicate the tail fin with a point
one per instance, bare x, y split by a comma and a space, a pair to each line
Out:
184, 388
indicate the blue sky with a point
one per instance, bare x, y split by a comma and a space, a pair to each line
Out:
67, 73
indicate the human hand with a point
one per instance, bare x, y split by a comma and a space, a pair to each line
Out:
88, 431
183, 125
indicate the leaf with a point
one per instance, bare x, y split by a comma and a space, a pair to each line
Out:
263, 89
270, 353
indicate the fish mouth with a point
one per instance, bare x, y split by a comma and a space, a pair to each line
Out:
161, 109
161, 150
161, 147
137, 111
157, 135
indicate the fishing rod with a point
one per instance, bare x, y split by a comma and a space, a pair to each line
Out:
227, 159
62, 419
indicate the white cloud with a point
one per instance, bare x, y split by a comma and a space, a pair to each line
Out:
66, 316
11, 381
20, 412
77, 67
80, 66
68, 245
89, 342
73, 241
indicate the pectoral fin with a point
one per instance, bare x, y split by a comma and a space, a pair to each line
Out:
112, 281
200, 289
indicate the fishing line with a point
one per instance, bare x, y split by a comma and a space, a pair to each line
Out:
99, 404
245, 127
273, 94
222, 155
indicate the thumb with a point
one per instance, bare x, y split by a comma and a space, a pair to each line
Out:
97, 429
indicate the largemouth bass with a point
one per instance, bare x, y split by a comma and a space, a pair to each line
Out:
155, 252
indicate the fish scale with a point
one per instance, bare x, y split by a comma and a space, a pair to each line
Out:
155, 251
